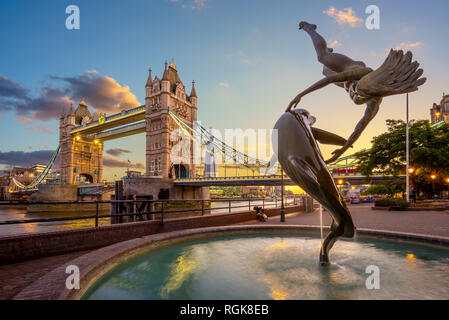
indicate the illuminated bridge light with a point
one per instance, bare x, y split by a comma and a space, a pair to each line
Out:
410, 256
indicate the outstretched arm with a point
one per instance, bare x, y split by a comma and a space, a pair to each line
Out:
372, 107
355, 74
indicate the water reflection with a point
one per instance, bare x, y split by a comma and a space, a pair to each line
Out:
271, 267
20, 213
180, 271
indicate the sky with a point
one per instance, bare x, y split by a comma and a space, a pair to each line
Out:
247, 57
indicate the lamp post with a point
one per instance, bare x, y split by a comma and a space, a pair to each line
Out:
282, 196
433, 177
407, 176
411, 170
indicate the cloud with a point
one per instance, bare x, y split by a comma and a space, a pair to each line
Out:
25, 159
333, 44
198, 4
1, 117
11, 89
49, 104
192, 4
24, 120
345, 16
114, 163
41, 129
408, 46
117, 151
102, 93
224, 84
241, 56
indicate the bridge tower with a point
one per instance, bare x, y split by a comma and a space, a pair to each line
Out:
162, 95
80, 158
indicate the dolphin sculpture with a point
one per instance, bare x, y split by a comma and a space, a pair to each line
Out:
296, 148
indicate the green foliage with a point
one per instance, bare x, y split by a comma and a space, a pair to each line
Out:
227, 191
383, 189
429, 152
391, 202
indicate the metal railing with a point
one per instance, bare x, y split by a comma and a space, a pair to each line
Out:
132, 206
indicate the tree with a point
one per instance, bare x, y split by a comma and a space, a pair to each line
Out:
384, 189
429, 153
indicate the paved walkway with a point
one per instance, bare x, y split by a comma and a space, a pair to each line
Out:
15, 277
423, 222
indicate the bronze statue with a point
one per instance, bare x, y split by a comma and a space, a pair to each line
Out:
296, 144
397, 75
296, 149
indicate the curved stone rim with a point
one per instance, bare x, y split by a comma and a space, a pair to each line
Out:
96, 263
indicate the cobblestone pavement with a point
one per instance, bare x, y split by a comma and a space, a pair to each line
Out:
422, 222
15, 277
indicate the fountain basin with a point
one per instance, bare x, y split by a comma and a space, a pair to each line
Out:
260, 262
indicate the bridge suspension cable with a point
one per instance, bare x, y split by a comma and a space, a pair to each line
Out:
199, 133
38, 180
239, 158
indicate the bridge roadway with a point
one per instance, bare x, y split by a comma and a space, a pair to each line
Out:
257, 180
125, 117
276, 180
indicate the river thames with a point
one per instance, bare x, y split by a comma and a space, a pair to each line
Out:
20, 213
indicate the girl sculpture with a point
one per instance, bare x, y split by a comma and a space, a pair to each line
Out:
397, 75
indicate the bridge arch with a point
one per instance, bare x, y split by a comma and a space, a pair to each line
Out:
84, 178
179, 171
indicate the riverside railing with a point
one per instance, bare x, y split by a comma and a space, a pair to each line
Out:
138, 210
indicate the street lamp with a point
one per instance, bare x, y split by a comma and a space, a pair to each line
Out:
433, 177
407, 154
340, 182
411, 170
282, 196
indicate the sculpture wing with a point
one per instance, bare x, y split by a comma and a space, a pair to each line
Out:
397, 75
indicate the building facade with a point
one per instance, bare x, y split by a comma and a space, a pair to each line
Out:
167, 156
168, 153
440, 112
80, 158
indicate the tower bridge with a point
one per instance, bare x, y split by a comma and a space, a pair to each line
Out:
167, 107
82, 137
